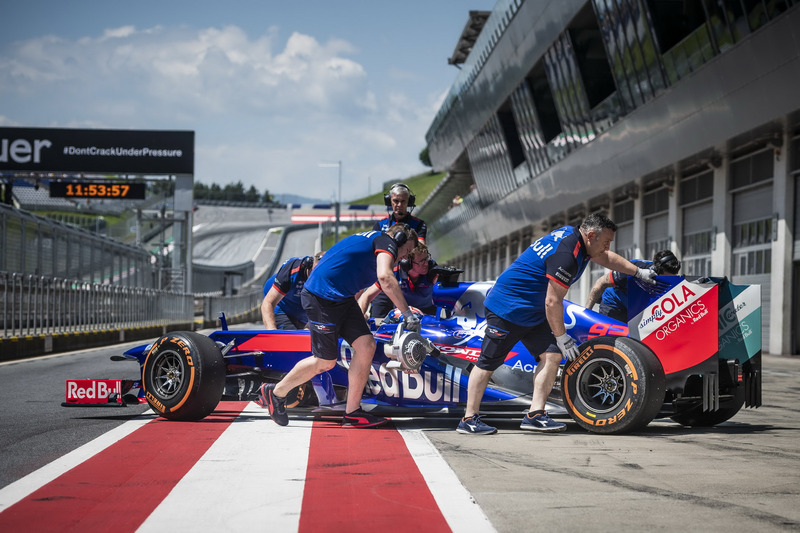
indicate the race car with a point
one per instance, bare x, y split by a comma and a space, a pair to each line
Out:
691, 351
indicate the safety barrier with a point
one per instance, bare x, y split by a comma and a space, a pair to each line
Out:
41, 305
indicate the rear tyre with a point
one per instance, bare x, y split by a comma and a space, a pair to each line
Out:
616, 385
184, 376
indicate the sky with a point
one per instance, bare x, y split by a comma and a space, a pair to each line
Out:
271, 88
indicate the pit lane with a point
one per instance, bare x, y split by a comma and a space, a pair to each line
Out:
741, 475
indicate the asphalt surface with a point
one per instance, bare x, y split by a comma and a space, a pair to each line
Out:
740, 476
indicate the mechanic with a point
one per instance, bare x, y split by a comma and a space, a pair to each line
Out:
526, 304
416, 278
612, 290
400, 201
281, 307
328, 298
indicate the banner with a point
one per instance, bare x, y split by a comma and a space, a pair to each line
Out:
102, 151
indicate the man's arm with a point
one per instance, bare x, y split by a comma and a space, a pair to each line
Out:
616, 262
620, 264
554, 307
367, 296
596, 294
389, 283
268, 307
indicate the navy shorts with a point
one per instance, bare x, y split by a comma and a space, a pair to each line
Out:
328, 320
501, 336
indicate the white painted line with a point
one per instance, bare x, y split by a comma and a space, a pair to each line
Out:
16, 491
258, 471
454, 500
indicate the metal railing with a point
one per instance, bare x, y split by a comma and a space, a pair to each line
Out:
35, 305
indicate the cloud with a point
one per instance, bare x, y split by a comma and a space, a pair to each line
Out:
264, 112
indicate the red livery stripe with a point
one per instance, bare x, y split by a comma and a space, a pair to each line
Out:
278, 342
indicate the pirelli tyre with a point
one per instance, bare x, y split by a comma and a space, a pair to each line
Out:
184, 376
616, 385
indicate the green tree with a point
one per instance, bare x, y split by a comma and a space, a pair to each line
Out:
425, 158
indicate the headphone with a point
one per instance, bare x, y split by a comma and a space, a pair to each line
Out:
406, 265
400, 238
660, 265
307, 262
412, 198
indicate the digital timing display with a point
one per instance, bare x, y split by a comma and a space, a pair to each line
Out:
97, 189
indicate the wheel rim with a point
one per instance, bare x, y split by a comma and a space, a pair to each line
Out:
168, 373
602, 385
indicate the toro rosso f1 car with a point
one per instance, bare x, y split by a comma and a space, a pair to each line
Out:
691, 351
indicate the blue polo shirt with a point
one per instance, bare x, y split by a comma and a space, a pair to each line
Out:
519, 293
350, 265
417, 224
616, 296
289, 281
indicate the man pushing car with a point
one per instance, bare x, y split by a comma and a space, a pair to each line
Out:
329, 299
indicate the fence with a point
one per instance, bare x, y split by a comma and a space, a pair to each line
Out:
32, 244
36, 305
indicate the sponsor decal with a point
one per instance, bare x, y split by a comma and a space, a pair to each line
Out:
527, 367
462, 352
427, 385
491, 330
680, 324
542, 249
322, 328
160, 407
563, 275
22, 151
94, 390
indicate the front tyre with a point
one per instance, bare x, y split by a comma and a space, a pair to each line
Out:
616, 385
184, 376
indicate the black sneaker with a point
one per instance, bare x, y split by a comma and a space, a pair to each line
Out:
362, 419
276, 406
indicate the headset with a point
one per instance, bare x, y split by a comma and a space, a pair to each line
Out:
406, 265
307, 262
412, 198
400, 238
660, 265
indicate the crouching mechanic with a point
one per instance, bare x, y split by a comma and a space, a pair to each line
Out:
416, 280
281, 307
526, 304
612, 290
328, 297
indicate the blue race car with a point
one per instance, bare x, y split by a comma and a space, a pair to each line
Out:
691, 351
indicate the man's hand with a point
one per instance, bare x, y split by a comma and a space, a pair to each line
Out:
568, 347
646, 275
411, 321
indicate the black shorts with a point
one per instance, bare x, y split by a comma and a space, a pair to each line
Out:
501, 336
328, 320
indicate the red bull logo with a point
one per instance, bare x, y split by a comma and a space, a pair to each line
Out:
93, 390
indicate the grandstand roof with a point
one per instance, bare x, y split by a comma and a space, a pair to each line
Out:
473, 27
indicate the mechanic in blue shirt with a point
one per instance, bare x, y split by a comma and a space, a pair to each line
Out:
416, 280
401, 201
281, 307
526, 304
612, 289
329, 299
